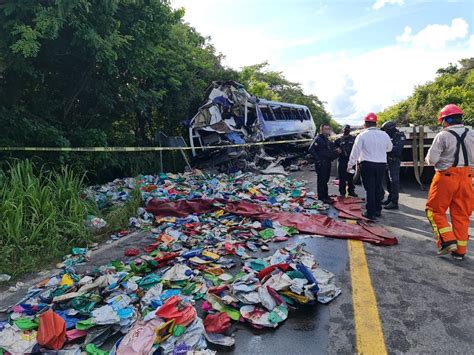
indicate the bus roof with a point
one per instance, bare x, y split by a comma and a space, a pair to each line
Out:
277, 103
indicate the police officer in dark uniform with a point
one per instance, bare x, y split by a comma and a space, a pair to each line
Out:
324, 152
346, 180
392, 174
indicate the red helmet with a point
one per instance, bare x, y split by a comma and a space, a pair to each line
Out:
449, 110
371, 117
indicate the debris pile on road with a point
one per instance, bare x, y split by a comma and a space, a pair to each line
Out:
213, 261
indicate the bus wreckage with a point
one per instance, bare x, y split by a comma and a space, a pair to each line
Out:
231, 118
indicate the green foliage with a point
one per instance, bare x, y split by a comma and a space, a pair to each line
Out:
453, 85
99, 73
110, 73
42, 216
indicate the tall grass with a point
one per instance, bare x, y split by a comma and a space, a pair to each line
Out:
41, 216
118, 217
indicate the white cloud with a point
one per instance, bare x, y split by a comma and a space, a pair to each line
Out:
352, 84
246, 45
242, 45
381, 3
373, 80
435, 36
343, 104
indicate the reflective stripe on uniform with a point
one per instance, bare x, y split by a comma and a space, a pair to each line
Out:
462, 243
445, 230
429, 214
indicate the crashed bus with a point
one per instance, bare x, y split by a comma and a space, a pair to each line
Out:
230, 116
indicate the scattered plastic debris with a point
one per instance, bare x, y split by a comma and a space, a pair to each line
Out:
201, 274
95, 223
5, 277
17, 286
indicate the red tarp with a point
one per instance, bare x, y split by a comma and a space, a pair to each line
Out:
349, 208
310, 224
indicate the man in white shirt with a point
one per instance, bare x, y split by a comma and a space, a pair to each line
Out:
370, 150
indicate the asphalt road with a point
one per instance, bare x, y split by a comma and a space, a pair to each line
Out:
425, 302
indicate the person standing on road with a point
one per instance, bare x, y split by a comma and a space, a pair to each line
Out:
392, 174
370, 149
452, 154
346, 180
324, 152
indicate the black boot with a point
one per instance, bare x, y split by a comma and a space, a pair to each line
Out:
457, 256
385, 202
368, 216
391, 206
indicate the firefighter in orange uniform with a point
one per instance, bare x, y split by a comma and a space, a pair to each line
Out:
452, 154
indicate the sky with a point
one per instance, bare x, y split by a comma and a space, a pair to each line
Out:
357, 56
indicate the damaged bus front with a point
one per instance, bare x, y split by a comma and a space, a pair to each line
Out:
230, 116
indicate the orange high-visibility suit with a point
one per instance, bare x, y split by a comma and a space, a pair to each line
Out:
451, 188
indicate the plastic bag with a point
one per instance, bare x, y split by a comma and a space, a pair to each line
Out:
175, 308
217, 323
139, 340
52, 331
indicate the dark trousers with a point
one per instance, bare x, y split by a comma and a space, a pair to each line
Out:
346, 180
392, 177
323, 169
372, 176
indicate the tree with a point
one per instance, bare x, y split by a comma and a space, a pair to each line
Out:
453, 85
98, 73
110, 73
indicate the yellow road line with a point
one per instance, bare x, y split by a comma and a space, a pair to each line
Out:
369, 333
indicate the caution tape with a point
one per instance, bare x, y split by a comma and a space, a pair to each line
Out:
142, 149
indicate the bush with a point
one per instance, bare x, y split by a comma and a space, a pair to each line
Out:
42, 216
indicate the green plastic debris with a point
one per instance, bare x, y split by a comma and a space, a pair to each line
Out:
258, 264
199, 296
79, 251
189, 288
278, 315
139, 269
238, 276
118, 265
178, 330
296, 193
26, 323
91, 349
213, 278
231, 312
144, 267
266, 234
295, 274
85, 324
149, 281
83, 304
61, 290
291, 230
288, 299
